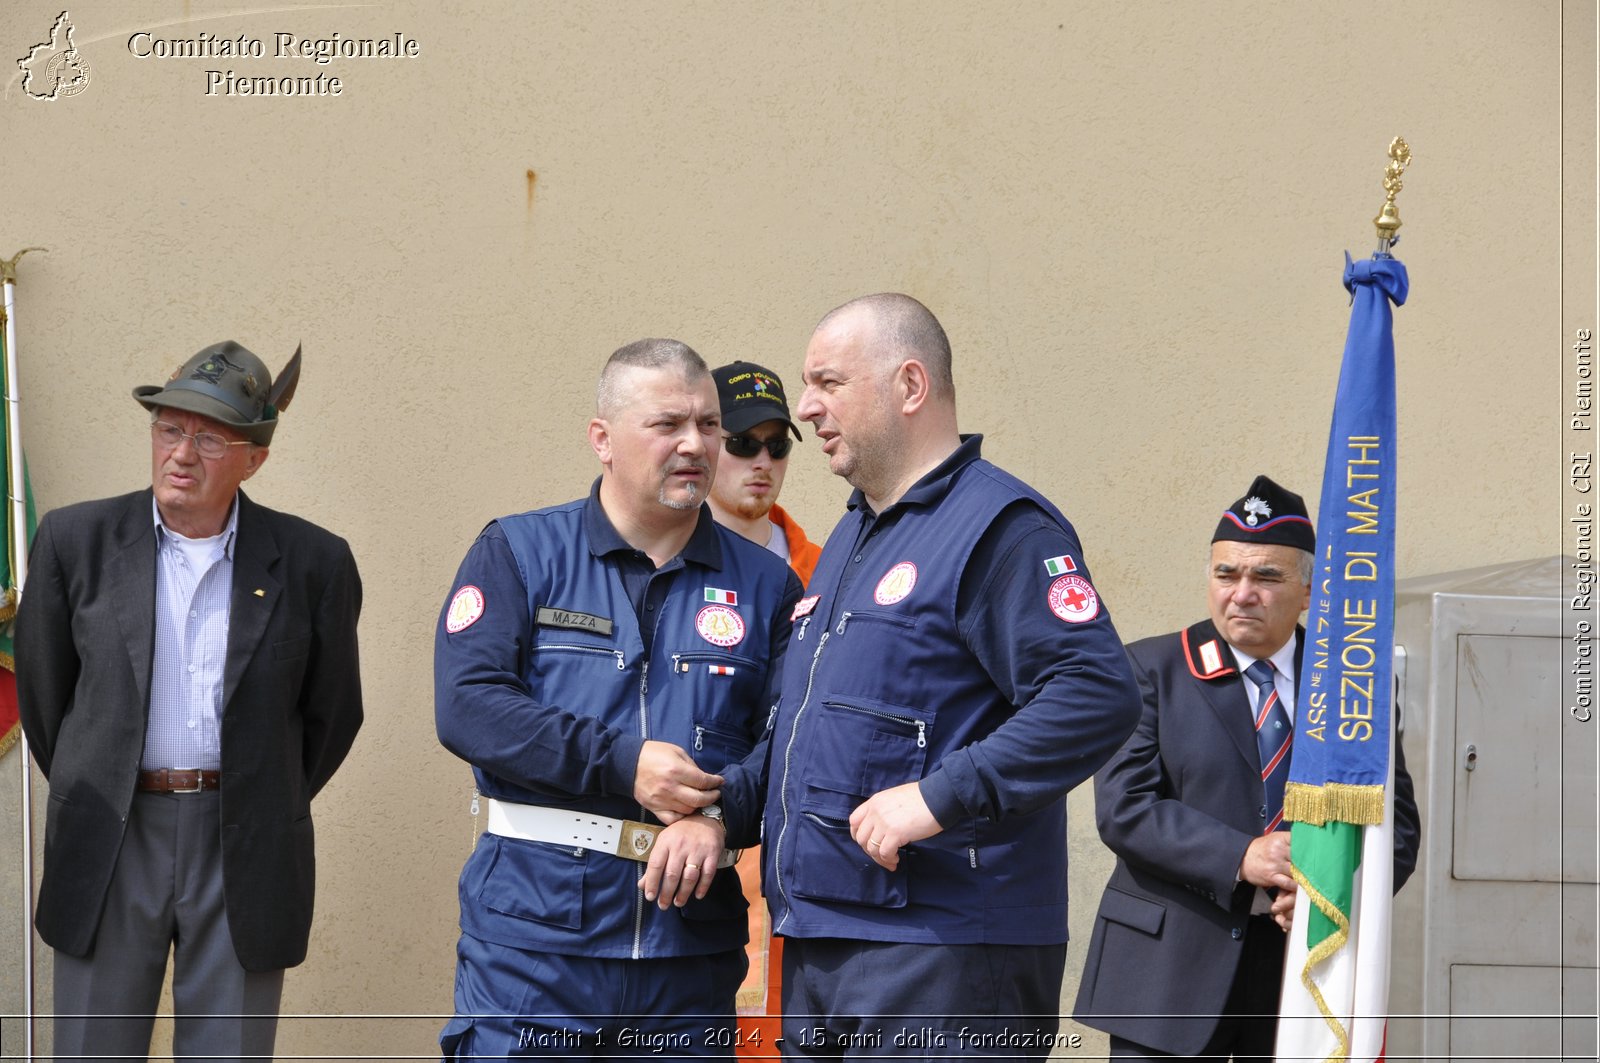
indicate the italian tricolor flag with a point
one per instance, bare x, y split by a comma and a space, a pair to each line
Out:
1336, 973
1060, 566
10, 727
1340, 794
721, 597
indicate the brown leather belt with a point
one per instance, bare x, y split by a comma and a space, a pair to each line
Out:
179, 781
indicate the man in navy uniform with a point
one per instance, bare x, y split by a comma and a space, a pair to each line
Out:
952, 674
1187, 953
598, 663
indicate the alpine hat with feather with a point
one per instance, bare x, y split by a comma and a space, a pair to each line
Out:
229, 384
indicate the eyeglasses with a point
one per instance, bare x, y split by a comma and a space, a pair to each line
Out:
206, 444
750, 446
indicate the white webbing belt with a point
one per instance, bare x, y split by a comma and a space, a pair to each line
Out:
626, 838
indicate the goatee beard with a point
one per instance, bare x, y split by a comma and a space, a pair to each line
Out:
692, 502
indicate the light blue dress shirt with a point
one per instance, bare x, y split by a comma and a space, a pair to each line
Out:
194, 582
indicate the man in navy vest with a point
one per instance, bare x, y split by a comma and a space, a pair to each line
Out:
1187, 953
598, 663
952, 674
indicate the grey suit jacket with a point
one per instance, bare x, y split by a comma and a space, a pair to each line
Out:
85, 642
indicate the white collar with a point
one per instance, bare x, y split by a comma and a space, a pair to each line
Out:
1283, 660
225, 537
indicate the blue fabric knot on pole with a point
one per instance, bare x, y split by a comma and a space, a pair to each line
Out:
1384, 271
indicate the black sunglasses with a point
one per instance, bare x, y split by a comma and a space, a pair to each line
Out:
750, 446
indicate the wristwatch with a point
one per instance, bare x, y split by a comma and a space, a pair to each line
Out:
714, 813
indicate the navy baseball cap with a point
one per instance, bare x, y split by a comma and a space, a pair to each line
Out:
751, 395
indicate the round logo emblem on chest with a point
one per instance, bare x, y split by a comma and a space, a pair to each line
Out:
720, 625
896, 584
1074, 600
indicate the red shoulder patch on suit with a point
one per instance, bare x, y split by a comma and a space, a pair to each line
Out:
1206, 660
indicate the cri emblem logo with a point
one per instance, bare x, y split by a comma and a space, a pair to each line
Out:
896, 584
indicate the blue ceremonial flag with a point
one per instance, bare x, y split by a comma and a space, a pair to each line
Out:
1341, 742
1338, 798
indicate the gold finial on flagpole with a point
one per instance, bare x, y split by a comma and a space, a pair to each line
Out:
1388, 219
8, 266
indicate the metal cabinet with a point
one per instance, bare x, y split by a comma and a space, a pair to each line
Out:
1495, 935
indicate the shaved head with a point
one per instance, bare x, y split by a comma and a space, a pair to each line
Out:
900, 328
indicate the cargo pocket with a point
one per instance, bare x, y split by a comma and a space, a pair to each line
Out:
716, 745
534, 881
830, 866
729, 680
875, 744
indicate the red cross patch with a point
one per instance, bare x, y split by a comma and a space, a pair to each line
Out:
1072, 599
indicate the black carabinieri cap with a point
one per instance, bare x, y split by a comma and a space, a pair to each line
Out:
1270, 515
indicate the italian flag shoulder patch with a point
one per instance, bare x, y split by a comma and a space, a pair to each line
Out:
1060, 566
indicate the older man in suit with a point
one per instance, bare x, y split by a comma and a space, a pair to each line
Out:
188, 682
1188, 946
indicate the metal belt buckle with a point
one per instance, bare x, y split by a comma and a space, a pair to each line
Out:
198, 787
636, 840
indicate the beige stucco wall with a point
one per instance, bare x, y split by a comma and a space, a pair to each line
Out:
1129, 216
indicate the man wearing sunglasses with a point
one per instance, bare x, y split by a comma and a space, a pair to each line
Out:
189, 683
756, 446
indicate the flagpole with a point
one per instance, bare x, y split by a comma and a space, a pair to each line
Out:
17, 496
1334, 998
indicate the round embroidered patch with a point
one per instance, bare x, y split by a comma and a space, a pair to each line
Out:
1074, 600
720, 625
465, 609
896, 584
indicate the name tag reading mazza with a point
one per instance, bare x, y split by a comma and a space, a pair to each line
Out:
550, 617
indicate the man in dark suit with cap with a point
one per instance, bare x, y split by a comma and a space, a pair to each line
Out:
188, 682
1188, 946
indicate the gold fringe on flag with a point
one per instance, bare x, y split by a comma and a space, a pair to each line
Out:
1325, 948
1336, 801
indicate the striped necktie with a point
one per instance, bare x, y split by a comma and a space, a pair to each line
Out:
1274, 735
